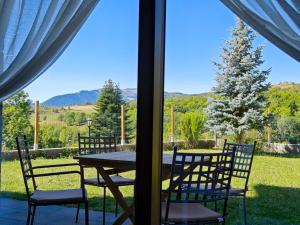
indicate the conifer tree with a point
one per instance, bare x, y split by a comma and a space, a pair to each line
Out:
107, 119
238, 100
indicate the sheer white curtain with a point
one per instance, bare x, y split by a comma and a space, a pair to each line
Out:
33, 34
276, 20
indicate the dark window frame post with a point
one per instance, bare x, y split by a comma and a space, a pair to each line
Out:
151, 55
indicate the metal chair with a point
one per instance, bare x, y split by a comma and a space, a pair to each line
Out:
197, 181
242, 168
45, 197
96, 145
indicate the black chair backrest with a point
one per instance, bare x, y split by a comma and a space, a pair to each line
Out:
243, 159
200, 177
96, 144
25, 161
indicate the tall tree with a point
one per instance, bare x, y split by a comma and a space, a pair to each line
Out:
107, 119
238, 100
16, 118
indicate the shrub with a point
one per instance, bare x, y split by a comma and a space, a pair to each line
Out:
49, 137
80, 118
70, 118
287, 130
191, 127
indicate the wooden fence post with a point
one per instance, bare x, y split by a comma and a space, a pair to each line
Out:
172, 136
122, 125
269, 130
36, 125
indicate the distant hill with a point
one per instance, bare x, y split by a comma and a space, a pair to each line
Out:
84, 97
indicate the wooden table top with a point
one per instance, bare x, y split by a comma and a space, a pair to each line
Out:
117, 158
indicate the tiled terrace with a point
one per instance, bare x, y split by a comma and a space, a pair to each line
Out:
14, 212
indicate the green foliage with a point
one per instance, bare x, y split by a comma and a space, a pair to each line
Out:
284, 100
70, 118
61, 117
49, 137
239, 101
130, 121
191, 127
80, 118
107, 119
68, 136
186, 104
16, 119
181, 106
286, 129
55, 110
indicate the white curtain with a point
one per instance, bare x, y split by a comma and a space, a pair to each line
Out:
276, 20
33, 34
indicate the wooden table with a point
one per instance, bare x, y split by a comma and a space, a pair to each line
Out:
118, 162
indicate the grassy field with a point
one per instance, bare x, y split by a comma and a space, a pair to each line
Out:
273, 199
51, 115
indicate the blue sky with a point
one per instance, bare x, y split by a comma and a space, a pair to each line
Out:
106, 47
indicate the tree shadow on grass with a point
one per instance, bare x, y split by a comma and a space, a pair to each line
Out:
271, 205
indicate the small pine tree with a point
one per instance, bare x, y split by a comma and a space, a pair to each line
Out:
238, 100
107, 119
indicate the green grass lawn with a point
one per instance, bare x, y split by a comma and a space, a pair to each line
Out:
273, 199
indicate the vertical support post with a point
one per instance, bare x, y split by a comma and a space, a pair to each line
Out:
269, 127
269, 130
172, 137
122, 125
1, 141
150, 111
36, 125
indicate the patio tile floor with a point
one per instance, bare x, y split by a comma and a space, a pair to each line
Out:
14, 212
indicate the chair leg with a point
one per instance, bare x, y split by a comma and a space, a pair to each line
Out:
104, 204
116, 211
245, 210
33, 214
77, 213
86, 213
28, 215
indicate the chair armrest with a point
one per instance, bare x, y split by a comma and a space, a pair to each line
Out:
54, 173
55, 165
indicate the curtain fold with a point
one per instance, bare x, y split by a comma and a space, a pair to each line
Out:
278, 21
33, 34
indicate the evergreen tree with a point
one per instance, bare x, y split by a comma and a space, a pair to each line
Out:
238, 100
107, 119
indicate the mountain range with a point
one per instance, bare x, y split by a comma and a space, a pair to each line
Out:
85, 97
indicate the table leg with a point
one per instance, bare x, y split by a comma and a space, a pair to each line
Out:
128, 210
125, 215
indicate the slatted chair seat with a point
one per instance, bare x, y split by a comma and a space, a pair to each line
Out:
192, 212
233, 191
57, 196
236, 191
118, 180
